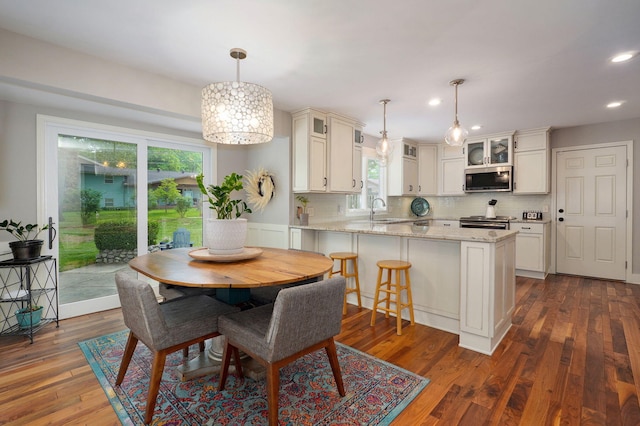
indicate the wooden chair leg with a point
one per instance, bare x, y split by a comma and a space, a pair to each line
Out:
185, 352
273, 388
398, 289
388, 304
130, 347
224, 366
238, 362
376, 298
332, 354
357, 281
154, 384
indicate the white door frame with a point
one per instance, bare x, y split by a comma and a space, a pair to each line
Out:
143, 139
630, 277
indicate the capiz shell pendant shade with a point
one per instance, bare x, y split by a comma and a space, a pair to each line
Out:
234, 112
237, 113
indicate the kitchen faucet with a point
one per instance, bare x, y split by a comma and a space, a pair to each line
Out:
373, 202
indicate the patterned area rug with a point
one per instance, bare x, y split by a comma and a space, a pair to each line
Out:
376, 391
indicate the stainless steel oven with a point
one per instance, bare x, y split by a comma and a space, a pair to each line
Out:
499, 222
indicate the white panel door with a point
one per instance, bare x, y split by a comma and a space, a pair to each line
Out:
591, 203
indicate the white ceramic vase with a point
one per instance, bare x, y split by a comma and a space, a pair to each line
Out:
225, 236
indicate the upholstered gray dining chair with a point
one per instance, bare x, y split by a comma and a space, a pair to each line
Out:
163, 328
302, 320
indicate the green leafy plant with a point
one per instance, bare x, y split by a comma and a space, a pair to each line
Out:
304, 201
22, 232
219, 196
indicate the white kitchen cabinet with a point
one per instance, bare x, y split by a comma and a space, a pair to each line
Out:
427, 169
309, 151
492, 150
451, 170
402, 169
532, 249
487, 293
340, 139
531, 162
323, 147
446, 223
357, 182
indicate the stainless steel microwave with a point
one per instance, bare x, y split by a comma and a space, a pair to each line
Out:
488, 179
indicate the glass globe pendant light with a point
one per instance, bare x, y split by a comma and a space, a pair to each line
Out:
234, 112
384, 148
456, 135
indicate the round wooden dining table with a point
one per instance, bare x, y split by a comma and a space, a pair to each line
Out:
272, 267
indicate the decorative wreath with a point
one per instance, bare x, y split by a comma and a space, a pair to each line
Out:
260, 188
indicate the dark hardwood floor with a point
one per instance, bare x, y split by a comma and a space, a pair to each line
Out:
572, 357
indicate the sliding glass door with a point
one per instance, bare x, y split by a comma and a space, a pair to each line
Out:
114, 194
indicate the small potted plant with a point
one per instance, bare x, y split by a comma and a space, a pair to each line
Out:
28, 246
29, 316
227, 232
303, 215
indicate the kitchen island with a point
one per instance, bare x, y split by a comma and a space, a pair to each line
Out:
462, 280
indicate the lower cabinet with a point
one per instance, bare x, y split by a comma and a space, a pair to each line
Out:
532, 249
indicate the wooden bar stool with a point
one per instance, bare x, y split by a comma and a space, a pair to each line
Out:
393, 291
343, 257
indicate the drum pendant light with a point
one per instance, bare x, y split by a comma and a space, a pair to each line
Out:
234, 112
384, 148
456, 135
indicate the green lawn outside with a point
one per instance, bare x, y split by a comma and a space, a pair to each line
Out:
77, 248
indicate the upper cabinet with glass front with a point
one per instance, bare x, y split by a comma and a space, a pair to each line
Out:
492, 150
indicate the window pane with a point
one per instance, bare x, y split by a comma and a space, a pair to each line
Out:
97, 221
175, 210
374, 178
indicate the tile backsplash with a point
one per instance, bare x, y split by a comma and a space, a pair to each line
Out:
332, 207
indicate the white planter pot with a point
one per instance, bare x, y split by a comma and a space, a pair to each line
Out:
225, 236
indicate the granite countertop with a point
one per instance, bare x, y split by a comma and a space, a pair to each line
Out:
409, 230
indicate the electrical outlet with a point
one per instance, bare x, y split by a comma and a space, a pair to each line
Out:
545, 209
311, 211
339, 209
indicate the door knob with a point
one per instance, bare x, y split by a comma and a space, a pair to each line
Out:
561, 219
561, 211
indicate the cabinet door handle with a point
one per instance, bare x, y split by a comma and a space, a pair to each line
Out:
324, 181
446, 224
325, 129
353, 185
526, 227
361, 184
419, 188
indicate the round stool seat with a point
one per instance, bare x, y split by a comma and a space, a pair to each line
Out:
393, 264
343, 255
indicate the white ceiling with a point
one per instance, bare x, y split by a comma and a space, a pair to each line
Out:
527, 64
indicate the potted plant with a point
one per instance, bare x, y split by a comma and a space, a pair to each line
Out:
227, 232
29, 316
28, 246
303, 215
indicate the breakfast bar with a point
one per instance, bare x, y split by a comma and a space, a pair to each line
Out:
463, 280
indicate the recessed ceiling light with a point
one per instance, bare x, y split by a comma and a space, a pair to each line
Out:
615, 104
622, 57
435, 102
476, 127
